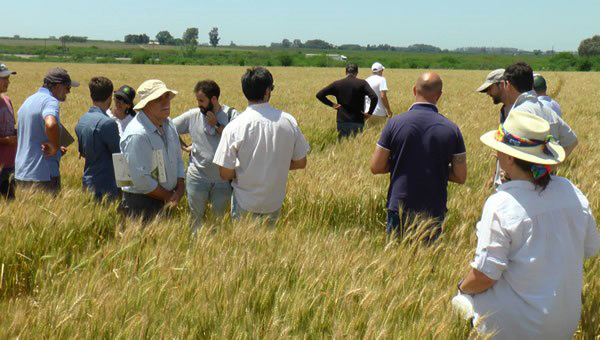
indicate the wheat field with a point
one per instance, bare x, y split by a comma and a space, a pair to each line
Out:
72, 268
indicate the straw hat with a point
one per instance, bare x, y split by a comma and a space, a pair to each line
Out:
150, 90
525, 136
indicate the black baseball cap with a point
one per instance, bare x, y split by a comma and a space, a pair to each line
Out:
59, 75
126, 93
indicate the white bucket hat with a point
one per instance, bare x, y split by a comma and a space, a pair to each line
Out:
150, 90
525, 136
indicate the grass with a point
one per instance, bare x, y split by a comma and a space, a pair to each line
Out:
71, 268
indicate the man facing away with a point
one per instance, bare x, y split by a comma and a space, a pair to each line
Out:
350, 95
540, 88
258, 149
422, 150
98, 139
379, 85
8, 137
151, 139
38, 151
205, 124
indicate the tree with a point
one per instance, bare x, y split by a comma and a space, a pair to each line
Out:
213, 37
285, 43
165, 38
297, 43
317, 43
190, 36
134, 38
537, 52
589, 47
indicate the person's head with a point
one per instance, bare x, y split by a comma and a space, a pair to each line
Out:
207, 94
352, 69
377, 68
101, 90
519, 77
428, 88
491, 85
539, 85
525, 147
257, 84
124, 97
59, 83
5, 74
155, 99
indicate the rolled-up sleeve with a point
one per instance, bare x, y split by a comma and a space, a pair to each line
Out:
138, 153
493, 244
592, 240
226, 153
566, 135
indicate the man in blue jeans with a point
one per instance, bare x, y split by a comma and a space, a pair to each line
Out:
205, 125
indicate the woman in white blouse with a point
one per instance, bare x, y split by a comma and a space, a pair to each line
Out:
123, 111
535, 231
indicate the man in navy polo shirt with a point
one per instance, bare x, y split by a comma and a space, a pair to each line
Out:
422, 150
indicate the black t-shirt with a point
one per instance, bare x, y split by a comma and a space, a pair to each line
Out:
350, 93
422, 143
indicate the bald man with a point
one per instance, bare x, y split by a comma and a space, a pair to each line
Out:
422, 150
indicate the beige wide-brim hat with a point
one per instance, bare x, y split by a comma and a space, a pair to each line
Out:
150, 90
529, 126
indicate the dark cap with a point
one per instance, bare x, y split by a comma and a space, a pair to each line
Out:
59, 76
126, 93
539, 83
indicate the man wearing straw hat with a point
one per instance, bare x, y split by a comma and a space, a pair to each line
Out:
534, 234
150, 140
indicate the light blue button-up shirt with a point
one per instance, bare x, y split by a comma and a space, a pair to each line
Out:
31, 164
138, 143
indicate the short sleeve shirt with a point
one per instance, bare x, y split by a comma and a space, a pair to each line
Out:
378, 84
260, 145
422, 143
30, 163
7, 128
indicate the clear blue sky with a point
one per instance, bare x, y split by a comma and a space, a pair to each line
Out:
524, 24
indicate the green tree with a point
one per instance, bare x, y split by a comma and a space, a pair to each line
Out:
165, 38
213, 37
286, 43
589, 47
190, 36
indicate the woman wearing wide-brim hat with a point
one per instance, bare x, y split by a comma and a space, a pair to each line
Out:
533, 236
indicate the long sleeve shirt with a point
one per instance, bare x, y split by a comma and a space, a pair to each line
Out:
350, 93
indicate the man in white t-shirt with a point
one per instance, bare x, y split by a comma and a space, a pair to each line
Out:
258, 149
379, 86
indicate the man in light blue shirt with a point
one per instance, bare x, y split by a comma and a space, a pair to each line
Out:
205, 124
98, 139
38, 150
150, 134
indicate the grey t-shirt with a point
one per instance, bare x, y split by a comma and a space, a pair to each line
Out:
205, 141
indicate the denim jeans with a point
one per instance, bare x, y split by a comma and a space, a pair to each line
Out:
347, 129
398, 225
200, 192
238, 212
141, 205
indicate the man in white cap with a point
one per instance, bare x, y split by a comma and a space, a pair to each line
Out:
8, 137
379, 86
491, 86
39, 151
150, 144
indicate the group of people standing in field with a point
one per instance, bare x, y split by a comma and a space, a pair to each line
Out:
535, 231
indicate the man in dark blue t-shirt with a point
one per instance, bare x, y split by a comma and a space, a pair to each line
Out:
422, 150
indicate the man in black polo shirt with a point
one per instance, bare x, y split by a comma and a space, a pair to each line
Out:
422, 150
350, 94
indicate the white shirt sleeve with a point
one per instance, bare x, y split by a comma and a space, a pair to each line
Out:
301, 146
383, 85
592, 239
226, 153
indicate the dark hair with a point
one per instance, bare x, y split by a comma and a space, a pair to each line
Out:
520, 76
255, 83
101, 89
541, 182
209, 88
352, 68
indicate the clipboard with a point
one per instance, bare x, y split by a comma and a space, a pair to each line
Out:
65, 138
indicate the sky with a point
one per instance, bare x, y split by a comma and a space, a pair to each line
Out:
525, 24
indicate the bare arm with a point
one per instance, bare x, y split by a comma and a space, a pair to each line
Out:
386, 103
299, 164
458, 169
227, 174
380, 162
53, 133
160, 193
476, 282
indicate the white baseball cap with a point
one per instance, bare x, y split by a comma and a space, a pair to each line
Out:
376, 67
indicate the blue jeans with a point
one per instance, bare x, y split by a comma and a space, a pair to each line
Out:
347, 129
200, 191
398, 225
238, 212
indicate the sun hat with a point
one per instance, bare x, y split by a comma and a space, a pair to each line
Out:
5, 72
492, 78
525, 136
377, 66
126, 93
59, 75
150, 90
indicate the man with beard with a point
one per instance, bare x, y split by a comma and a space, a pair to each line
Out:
492, 88
205, 125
